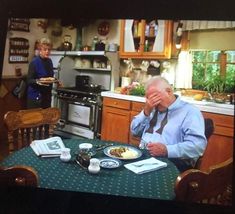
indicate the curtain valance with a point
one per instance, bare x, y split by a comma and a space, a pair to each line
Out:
205, 25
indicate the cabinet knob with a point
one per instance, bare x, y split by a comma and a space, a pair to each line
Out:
115, 103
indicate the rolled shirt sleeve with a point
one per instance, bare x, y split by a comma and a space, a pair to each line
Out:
139, 123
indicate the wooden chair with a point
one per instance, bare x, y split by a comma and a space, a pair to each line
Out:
209, 130
209, 127
211, 187
18, 176
26, 125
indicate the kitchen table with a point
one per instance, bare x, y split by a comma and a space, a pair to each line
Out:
69, 176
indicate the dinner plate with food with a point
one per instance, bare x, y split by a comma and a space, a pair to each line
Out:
47, 80
123, 152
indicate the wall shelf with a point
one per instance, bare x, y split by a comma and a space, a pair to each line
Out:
18, 50
92, 69
19, 24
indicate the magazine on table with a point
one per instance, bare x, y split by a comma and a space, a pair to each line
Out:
50, 147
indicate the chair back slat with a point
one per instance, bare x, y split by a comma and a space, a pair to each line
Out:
25, 126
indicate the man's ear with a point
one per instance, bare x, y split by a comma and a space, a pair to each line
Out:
168, 90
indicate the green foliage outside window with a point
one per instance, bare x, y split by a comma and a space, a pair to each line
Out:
206, 70
212, 70
230, 78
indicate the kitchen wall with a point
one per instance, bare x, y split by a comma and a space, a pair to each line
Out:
216, 39
212, 40
37, 32
34, 34
91, 30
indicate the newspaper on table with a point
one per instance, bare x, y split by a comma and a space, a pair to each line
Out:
50, 147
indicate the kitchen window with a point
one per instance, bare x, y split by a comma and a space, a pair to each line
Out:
207, 64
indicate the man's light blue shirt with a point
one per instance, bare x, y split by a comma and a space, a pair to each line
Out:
183, 135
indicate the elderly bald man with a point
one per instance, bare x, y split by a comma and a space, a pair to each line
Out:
170, 127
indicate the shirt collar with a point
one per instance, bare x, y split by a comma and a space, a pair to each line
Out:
176, 104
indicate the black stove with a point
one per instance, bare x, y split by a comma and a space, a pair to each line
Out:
81, 108
81, 94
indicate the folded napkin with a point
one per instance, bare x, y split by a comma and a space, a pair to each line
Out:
147, 165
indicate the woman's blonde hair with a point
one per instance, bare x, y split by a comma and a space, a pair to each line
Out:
45, 41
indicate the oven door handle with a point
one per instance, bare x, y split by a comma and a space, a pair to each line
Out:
78, 103
82, 103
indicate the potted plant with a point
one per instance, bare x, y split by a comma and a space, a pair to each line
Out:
216, 86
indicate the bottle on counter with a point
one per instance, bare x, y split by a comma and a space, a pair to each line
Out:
139, 29
146, 46
147, 30
151, 31
155, 29
94, 42
135, 28
36, 48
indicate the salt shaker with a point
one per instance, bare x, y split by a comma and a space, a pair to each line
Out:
65, 155
94, 166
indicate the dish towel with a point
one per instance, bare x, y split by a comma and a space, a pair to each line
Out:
147, 165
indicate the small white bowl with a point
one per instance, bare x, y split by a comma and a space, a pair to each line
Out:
85, 146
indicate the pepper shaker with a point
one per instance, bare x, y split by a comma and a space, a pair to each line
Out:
94, 166
65, 155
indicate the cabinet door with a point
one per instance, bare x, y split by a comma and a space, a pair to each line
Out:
115, 124
158, 39
146, 39
131, 41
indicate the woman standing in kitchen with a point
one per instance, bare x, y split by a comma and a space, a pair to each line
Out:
40, 77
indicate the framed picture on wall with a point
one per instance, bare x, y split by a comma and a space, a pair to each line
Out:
17, 24
18, 50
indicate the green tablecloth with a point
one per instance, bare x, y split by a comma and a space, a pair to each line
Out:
55, 174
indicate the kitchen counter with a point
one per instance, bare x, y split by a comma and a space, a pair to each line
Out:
226, 109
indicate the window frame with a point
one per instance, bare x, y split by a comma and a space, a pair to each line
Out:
222, 61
